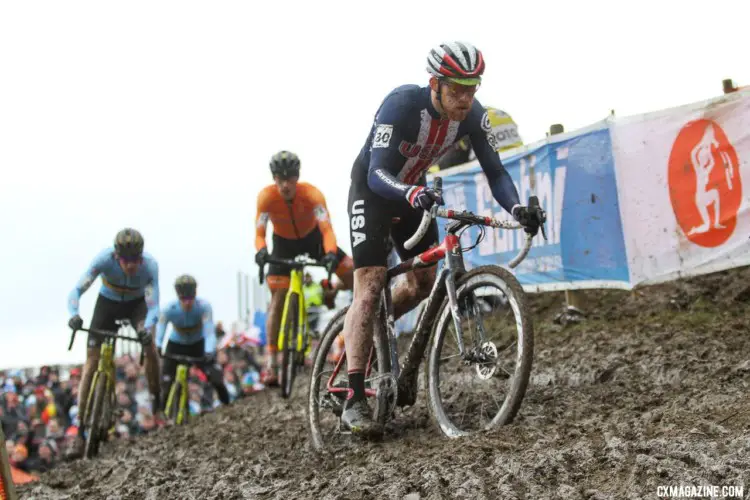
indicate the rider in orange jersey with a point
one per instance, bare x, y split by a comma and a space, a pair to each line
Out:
301, 224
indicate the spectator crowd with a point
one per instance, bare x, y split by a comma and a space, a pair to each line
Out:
39, 411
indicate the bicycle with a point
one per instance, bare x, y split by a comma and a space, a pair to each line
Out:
454, 301
293, 353
177, 408
99, 414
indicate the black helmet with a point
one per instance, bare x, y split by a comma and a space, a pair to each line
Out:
285, 164
185, 286
129, 243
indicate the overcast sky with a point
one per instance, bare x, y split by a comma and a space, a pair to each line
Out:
163, 115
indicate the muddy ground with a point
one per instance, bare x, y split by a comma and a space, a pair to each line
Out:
652, 390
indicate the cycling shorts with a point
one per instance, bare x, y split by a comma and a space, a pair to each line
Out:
106, 311
371, 222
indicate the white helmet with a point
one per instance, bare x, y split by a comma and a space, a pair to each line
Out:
459, 62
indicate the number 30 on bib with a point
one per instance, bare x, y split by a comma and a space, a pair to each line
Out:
382, 136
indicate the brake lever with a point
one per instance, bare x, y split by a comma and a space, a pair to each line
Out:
539, 214
72, 339
542, 219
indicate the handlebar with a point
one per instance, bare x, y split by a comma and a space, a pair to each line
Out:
182, 359
427, 217
473, 219
299, 262
103, 333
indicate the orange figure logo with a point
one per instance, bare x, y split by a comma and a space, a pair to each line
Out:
704, 183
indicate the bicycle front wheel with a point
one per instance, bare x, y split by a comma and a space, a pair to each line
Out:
96, 422
288, 356
482, 388
173, 402
184, 414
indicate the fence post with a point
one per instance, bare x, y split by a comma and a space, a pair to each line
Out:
239, 295
247, 298
573, 298
7, 488
728, 85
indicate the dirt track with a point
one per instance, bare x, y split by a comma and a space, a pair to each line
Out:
631, 400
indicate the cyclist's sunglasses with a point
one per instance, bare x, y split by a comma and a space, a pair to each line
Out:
457, 90
285, 176
186, 297
131, 258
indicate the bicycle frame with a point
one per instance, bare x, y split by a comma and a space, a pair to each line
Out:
181, 378
445, 283
295, 286
446, 279
297, 266
106, 365
105, 368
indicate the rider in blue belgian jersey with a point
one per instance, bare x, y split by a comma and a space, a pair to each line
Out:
130, 290
413, 127
192, 335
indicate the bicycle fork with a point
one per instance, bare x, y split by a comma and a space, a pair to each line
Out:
300, 334
102, 370
450, 286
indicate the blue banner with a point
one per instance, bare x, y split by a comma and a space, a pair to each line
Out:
574, 179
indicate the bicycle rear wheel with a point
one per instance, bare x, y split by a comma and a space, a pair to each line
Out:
96, 424
288, 357
484, 387
329, 371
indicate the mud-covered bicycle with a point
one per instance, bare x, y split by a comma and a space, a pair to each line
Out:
100, 413
177, 407
294, 339
459, 300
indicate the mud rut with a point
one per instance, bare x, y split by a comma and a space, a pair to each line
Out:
651, 391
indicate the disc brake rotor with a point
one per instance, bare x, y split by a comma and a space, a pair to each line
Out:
488, 366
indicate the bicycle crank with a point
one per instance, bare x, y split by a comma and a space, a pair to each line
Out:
386, 396
332, 403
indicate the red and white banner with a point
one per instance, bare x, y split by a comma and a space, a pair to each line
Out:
682, 178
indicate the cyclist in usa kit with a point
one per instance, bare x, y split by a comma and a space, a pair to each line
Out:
413, 126
130, 289
193, 335
301, 224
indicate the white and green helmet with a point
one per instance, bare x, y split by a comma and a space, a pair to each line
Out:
458, 62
